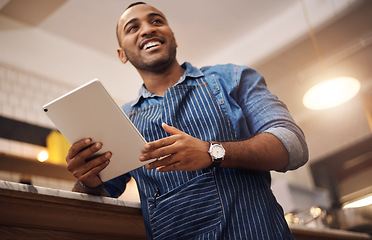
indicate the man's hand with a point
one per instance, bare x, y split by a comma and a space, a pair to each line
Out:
81, 164
179, 152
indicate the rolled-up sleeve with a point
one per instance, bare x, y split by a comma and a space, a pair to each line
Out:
264, 112
295, 145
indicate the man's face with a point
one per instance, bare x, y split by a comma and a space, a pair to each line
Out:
146, 39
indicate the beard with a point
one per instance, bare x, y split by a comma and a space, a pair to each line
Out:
157, 63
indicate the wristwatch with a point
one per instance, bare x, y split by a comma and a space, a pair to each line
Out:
217, 153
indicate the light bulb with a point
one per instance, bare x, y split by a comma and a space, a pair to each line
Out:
43, 156
331, 93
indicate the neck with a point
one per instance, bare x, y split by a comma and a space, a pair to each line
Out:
158, 82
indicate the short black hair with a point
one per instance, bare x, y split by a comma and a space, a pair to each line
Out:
134, 4
117, 25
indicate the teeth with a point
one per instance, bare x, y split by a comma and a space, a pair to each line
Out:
151, 44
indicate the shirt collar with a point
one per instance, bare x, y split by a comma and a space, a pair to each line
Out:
190, 72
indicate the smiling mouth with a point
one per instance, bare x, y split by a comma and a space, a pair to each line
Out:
151, 44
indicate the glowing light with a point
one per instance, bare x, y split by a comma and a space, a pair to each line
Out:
360, 203
331, 93
43, 156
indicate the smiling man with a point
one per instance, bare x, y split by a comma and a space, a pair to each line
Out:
140, 52
216, 133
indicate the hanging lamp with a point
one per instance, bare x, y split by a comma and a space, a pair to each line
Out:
332, 92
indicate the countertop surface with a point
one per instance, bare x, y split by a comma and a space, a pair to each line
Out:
326, 233
66, 194
300, 232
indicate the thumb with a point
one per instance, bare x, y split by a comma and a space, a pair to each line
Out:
170, 130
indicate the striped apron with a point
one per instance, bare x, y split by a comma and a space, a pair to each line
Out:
205, 204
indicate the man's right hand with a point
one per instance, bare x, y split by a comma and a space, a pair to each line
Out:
81, 164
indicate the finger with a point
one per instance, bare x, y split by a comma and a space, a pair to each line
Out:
161, 143
91, 178
87, 154
96, 170
96, 164
151, 146
172, 167
102, 159
77, 147
171, 130
164, 161
82, 157
159, 152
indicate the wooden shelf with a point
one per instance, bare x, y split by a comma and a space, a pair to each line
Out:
26, 215
33, 167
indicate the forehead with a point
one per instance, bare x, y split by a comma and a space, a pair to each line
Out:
138, 12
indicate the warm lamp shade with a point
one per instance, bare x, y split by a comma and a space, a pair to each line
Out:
331, 93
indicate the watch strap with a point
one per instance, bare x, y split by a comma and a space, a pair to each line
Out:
215, 164
91, 189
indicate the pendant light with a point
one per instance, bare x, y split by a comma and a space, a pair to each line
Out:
332, 92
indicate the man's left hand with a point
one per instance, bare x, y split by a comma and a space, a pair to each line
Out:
178, 152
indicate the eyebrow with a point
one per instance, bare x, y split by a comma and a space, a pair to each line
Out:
149, 15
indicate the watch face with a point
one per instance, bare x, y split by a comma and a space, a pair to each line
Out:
218, 151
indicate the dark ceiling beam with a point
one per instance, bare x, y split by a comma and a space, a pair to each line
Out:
23, 132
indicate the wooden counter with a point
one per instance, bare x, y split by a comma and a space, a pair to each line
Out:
28, 212
306, 233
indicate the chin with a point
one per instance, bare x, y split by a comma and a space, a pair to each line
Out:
157, 64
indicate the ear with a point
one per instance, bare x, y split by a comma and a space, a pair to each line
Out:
175, 39
121, 54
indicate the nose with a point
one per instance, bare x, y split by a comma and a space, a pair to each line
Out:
147, 29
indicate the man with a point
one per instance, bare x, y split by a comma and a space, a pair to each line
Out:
216, 132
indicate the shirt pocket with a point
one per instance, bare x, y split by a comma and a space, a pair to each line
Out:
187, 211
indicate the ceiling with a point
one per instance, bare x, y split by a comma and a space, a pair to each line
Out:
271, 36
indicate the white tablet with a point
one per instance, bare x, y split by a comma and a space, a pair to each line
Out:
90, 112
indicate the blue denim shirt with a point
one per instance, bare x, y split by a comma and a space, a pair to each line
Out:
245, 99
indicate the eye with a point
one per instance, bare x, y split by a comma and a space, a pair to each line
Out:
132, 28
157, 22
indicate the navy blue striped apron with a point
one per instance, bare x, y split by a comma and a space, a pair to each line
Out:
205, 204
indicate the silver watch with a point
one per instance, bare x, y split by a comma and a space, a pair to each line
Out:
217, 153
